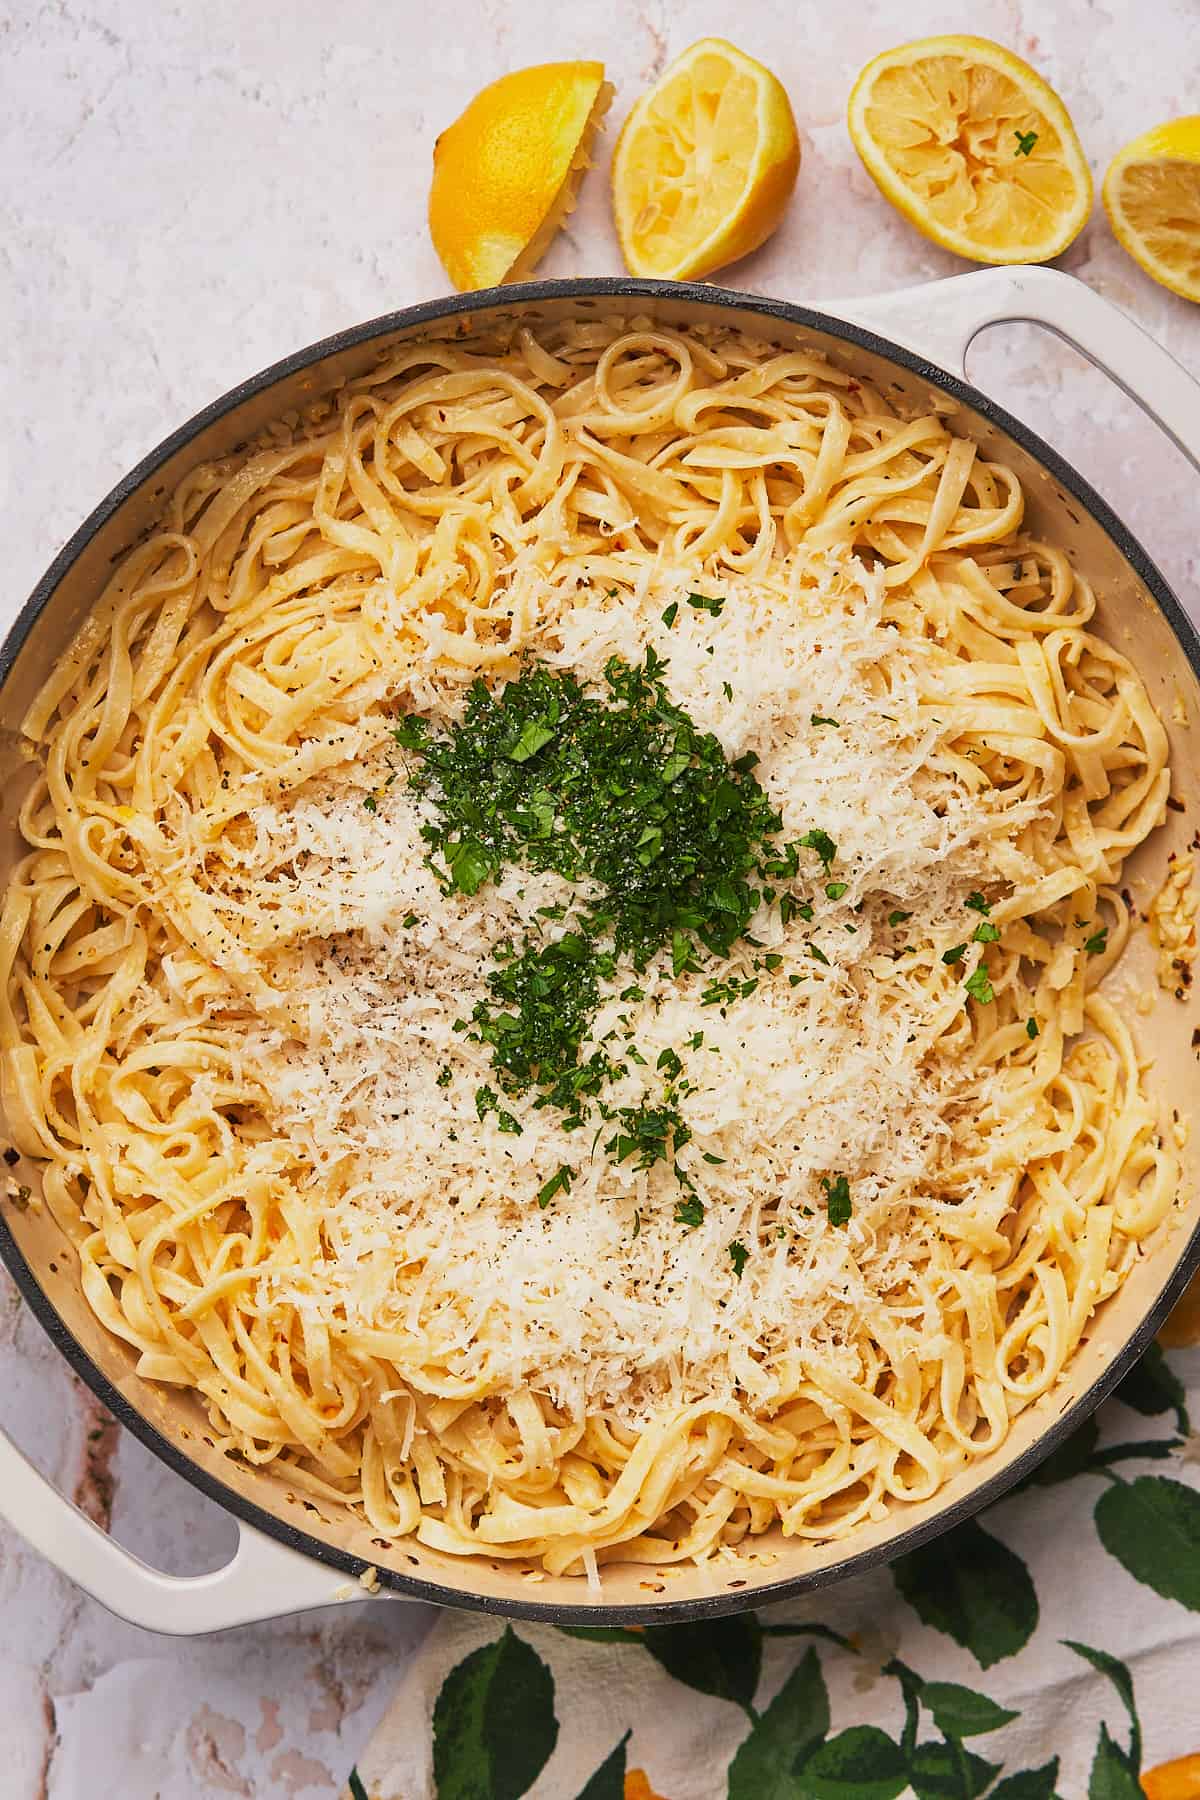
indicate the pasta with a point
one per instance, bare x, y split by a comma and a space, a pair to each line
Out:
876, 1154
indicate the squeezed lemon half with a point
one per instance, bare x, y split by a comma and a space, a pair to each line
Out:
1152, 196
704, 164
507, 172
973, 147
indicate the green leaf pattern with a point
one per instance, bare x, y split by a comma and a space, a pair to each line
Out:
495, 1726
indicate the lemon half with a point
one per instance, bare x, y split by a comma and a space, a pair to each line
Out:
973, 147
1152, 197
507, 172
704, 164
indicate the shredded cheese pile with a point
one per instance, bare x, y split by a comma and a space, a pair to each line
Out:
603, 1298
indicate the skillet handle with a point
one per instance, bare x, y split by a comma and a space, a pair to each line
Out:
263, 1579
940, 319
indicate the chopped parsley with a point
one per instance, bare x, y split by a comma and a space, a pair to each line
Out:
487, 1100
689, 1212
1025, 141
704, 603
955, 953
613, 785
534, 737
819, 719
620, 787
444, 1076
837, 1199
559, 1183
822, 843
986, 934
371, 803
1031, 1028
898, 918
649, 1134
979, 986
977, 903
739, 1256
670, 613
1097, 944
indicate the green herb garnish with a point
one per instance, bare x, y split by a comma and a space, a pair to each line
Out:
898, 918
487, 1100
822, 843
703, 603
979, 986
819, 719
835, 889
739, 1256
689, 1212
837, 1199
649, 1134
558, 1183
986, 934
670, 613
977, 903
1097, 944
1025, 141
1031, 1028
955, 954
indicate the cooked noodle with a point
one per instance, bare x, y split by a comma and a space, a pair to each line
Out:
234, 1058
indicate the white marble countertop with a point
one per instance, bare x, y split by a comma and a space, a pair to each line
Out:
193, 191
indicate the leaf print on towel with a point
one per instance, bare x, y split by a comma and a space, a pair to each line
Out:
1074, 1457
1152, 1387
1111, 1777
975, 1589
960, 1712
862, 1763
1114, 1770
722, 1658
1152, 1526
493, 1722
1029, 1784
767, 1764
608, 1783
948, 1772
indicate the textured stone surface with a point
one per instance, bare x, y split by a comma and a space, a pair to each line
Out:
193, 191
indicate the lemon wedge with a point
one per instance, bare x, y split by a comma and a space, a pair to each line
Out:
1152, 197
704, 164
973, 147
507, 172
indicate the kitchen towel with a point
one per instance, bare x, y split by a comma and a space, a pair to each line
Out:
1051, 1647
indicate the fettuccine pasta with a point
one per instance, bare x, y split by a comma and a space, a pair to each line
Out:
852, 1171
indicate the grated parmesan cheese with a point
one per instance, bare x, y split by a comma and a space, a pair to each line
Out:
429, 1226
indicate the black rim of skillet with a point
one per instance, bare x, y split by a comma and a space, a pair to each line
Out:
730, 1599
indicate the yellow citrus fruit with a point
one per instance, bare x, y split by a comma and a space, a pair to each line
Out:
973, 147
704, 164
1178, 1780
1152, 197
506, 173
